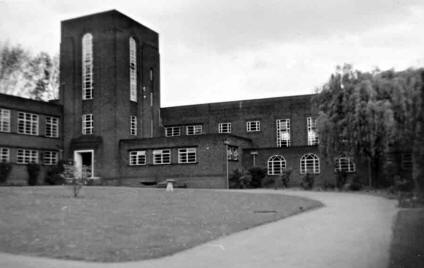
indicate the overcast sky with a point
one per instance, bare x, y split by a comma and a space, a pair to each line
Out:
217, 50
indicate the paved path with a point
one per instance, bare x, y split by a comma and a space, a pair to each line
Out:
352, 230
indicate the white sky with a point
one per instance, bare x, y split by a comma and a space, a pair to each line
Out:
217, 50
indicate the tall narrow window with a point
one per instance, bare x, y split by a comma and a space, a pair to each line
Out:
52, 127
133, 125
87, 124
311, 125
4, 120
4, 155
133, 70
87, 66
309, 163
283, 132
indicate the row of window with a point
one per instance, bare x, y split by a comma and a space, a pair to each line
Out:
163, 157
25, 156
28, 123
309, 163
87, 68
282, 129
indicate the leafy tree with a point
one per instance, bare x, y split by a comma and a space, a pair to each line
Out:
25, 75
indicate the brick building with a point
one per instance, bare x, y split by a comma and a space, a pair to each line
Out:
109, 119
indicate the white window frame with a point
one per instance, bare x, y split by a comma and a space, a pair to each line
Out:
28, 123
311, 125
50, 158
345, 164
172, 131
309, 161
133, 69
162, 157
194, 130
253, 126
52, 127
137, 158
276, 165
26, 156
224, 127
87, 66
4, 120
87, 124
133, 125
4, 154
187, 156
283, 132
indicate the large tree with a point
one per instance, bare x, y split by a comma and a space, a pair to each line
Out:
25, 75
363, 114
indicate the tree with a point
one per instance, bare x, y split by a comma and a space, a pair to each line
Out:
22, 74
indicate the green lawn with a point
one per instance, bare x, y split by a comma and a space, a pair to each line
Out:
115, 224
407, 250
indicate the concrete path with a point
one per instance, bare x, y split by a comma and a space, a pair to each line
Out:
352, 230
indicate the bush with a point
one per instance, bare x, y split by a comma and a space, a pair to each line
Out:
54, 175
285, 178
269, 181
341, 178
308, 181
234, 179
257, 174
33, 172
5, 169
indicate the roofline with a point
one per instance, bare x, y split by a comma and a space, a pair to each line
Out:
245, 100
105, 12
50, 102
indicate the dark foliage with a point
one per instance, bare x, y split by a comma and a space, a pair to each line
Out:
5, 169
33, 170
341, 178
234, 179
257, 174
308, 181
54, 175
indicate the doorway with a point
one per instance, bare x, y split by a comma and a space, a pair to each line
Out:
84, 163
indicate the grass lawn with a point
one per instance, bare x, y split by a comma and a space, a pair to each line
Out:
114, 224
407, 250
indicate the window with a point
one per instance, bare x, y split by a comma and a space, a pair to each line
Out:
283, 132
224, 128
276, 165
345, 164
26, 156
187, 155
151, 99
133, 70
52, 127
87, 66
4, 154
27, 123
253, 126
232, 153
50, 158
133, 125
4, 120
151, 74
194, 130
312, 132
406, 161
161, 157
137, 158
87, 124
172, 131
309, 163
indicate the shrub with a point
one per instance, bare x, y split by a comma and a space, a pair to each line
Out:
54, 175
308, 181
234, 179
341, 178
269, 181
285, 178
33, 172
245, 180
5, 169
257, 174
